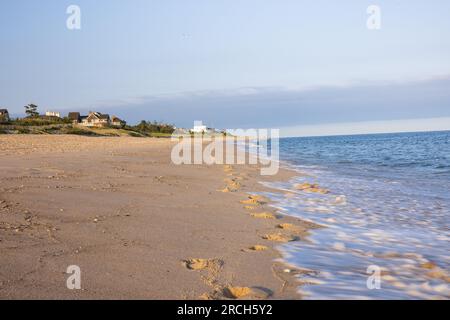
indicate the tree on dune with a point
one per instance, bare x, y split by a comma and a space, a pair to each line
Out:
31, 110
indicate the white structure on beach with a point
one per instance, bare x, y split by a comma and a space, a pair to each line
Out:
199, 127
52, 114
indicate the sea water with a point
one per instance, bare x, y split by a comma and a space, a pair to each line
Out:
388, 206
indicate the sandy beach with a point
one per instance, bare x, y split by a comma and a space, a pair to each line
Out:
138, 226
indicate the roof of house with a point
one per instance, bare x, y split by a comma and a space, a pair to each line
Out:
98, 115
116, 119
74, 115
3, 110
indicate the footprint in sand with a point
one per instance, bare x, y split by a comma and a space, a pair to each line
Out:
259, 198
288, 226
250, 208
258, 248
237, 292
234, 179
255, 200
232, 292
232, 185
206, 296
232, 182
279, 237
252, 201
202, 264
227, 168
255, 248
263, 215
210, 276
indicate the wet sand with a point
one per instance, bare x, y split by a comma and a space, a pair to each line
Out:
138, 226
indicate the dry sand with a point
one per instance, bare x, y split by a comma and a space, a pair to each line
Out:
138, 226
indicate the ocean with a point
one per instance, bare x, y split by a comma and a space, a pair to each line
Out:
388, 210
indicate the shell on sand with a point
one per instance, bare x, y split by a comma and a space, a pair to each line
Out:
278, 237
263, 215
237, 292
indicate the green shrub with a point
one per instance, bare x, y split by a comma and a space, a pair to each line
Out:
81, 132
23, 131
39, 121
148, 127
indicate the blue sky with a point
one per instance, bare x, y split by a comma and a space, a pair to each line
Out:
231, 63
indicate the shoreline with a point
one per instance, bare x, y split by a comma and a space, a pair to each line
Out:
145, 229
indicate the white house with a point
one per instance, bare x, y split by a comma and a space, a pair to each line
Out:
96, 119
52, 114
199, 127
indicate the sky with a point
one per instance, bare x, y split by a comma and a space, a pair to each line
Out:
307, 67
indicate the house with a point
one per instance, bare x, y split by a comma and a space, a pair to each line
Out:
117, 122
199, 127
74, 117
4, 115
96, 119
52, 114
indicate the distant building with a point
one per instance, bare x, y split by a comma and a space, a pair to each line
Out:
52, 114
74, 117
96, 119
4, 115
199, 127
117, 122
